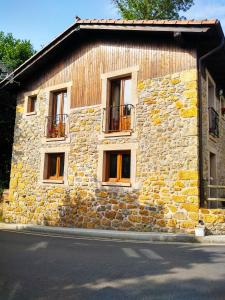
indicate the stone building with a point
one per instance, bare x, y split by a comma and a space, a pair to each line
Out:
120, 125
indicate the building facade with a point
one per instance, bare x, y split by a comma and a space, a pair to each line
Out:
107, 130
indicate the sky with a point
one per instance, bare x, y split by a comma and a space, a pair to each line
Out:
40, 21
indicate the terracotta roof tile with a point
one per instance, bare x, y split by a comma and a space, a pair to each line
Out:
147, 22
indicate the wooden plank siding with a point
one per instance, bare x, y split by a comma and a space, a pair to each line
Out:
85, 64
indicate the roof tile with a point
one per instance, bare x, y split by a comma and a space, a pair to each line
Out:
147, 22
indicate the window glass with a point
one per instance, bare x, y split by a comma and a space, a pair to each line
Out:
32, 100
61, 171
65, 103
127, 91
125, 165
112, 165
52, 161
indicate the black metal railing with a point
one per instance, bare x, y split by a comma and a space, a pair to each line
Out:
56, 126
118, 118
213, 122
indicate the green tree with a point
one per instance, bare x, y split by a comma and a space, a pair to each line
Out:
13, 52
152, 9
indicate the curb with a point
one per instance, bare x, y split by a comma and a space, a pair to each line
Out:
99, 233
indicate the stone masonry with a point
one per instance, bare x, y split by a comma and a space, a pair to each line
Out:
165, 196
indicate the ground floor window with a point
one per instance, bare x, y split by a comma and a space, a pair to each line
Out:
54, 166
117, 167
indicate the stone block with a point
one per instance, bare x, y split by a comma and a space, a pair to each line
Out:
110, 214
190, 207
134, 218
179, 198
188, 224
191, 191
171, 223
188, 112
188, 175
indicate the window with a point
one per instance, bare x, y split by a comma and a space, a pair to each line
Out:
117, 166
31, 104
56, 121
119, 104
54, 166
213, 108
119, 99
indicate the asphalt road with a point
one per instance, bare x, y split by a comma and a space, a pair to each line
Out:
40, 267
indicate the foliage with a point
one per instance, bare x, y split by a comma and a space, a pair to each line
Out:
152, 9
13, 52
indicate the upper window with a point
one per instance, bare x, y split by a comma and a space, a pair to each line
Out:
117, 166
119, 104
56, 121
213, 107
54, 166
31, 104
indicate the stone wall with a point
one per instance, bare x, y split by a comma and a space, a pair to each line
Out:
165, 196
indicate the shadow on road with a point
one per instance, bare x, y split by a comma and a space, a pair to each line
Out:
37, 267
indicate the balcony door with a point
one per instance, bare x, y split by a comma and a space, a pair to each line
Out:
120, 104
58, 114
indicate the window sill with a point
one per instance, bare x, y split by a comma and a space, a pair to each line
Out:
119, 133
55, 139
122, 184
31, 113
53, 181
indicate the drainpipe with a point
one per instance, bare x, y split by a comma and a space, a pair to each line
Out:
200, 66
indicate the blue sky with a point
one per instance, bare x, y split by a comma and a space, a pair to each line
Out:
42, 20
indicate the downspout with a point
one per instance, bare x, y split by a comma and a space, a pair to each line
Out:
200, 66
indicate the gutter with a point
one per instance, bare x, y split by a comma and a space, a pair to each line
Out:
200, 119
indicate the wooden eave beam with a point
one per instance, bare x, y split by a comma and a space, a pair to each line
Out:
189, 29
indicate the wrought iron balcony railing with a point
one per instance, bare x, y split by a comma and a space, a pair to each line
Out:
118, 118
56, 126
213, 122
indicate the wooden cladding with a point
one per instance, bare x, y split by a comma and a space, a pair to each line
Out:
85, 64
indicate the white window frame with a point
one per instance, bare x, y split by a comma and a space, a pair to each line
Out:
43, 169
132, 147
27, 96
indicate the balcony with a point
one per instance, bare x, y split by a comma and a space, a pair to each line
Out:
118, 118
213, 122
56, 126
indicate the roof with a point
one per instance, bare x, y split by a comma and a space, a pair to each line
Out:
148, 22
85, 25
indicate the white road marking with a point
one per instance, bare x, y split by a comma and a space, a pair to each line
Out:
151, 254
130, 252
37, 246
